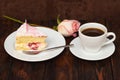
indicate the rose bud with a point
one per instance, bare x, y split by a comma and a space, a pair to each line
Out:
68, 27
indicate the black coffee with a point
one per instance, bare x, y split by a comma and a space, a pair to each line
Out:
93, 32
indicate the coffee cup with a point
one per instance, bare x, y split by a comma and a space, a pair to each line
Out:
93, 36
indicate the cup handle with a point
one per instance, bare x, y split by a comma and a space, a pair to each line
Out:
111, 40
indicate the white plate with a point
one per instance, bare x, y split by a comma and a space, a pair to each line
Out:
54, 39
78, 51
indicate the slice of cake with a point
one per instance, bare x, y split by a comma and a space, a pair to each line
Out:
30, 38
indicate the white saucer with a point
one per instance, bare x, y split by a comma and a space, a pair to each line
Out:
77, 51
54, 39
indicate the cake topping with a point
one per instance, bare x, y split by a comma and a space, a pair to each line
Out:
27, 30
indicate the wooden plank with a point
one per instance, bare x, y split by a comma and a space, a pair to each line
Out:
26, 70
5, 59
63, 67
115, 58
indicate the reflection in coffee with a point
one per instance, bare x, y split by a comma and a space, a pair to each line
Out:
93, 32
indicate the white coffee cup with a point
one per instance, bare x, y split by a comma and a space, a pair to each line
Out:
93, 43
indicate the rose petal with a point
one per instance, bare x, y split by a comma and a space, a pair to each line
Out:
68, 27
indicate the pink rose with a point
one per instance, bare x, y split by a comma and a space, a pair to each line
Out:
68, 27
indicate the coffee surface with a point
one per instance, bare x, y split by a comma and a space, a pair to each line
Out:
93, 32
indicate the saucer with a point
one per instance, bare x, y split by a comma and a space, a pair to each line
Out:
78, 51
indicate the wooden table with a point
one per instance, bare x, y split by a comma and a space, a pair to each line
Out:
63, 67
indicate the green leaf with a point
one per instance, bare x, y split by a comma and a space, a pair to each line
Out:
58, 19
13, 19
55, 28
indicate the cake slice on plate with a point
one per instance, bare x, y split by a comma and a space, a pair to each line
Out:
30, 38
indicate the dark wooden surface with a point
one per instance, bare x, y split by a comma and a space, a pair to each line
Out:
65, 66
